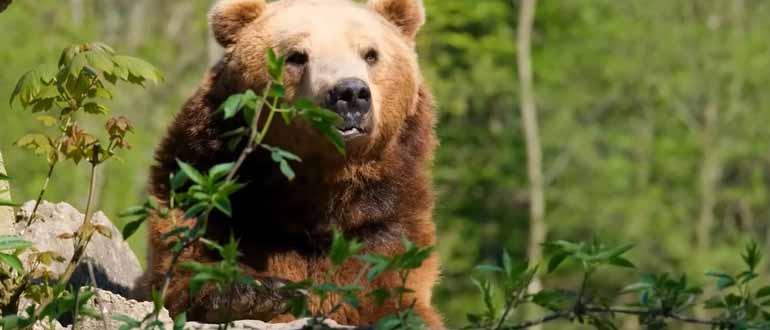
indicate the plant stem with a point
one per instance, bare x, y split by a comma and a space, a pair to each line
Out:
82, 236
510, 306
77, 307
545, 319
43, 189
48, 176
564, 315
255, 138
98, 300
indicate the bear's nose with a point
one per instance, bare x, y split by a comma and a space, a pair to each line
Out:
350, 97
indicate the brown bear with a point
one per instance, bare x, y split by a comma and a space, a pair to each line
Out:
358, 60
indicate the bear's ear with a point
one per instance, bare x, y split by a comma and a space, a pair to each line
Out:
230, 16
407, 15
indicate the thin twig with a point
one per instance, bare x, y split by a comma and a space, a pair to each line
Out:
97, 298
82, 237
48, 176
566, 315
545, 319
255, 137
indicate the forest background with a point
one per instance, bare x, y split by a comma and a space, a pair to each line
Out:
653, 122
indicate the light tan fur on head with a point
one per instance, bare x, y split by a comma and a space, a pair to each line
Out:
228, 17
407, 15
335, 35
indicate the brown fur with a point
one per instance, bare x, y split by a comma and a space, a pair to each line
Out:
379, 192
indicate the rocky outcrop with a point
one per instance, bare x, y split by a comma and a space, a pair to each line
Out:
115, 265
116, 269
6, 213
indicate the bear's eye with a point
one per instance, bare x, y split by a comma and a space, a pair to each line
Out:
297, 59
371, 56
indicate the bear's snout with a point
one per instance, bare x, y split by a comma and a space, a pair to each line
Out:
351, 98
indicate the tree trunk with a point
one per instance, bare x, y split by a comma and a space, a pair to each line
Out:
6, 213
708, 178
537, 228
78, 12
136, 24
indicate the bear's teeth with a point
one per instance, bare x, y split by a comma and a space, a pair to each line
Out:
350, 131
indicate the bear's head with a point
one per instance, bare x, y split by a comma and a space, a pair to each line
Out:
357, 60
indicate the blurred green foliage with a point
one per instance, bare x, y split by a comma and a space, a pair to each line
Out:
653, 119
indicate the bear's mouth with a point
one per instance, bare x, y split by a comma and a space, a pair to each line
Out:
351, 132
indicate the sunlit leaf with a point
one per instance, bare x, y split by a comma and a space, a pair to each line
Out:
191, 172
11, 242
47, 121
12, 261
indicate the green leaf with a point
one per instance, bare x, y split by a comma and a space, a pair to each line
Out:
77, 64
342, 249
195, 210
752, 256
47, 121
282, 157
324, 121
11, 242
223, 204
379, 295
557, 260
507, 263
178, 180
138, 68
221, 170
12, 261
39, 144
724, 281
548, 299
180, 321
232, 105
48, 92
4, 177
390, 322
277, 91
636, 287
489, 269
26, 88
8, 203
378, 265
763, 292
621, 262
95, 108
128, 322
621, 250
286, 170
133, 212
130, 228
714, 303
99, 60
191, 172
197, 281
275, 65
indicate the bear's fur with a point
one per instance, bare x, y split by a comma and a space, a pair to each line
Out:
379, 192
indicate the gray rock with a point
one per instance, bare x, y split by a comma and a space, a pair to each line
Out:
115, 265
49, 325
6, 213
116, 270
110, 305
259, 325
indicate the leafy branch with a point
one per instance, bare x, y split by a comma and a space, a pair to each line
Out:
79, 84
198, 194
661, 299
